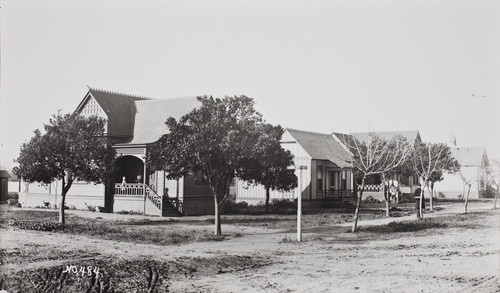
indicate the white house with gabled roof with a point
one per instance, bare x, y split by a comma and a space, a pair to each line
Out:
133, 124
474, 167
327, 177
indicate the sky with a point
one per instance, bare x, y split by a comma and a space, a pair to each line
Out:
323, 66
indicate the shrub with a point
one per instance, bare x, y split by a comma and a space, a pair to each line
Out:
12, 201
231, 206
407, 197
371, 199
13, 195
441, 195
34, 225
411, 226
489, 192
283, 204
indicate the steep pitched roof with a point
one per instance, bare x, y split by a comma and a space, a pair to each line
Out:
117, 107
410, 135
469, 156
148, 120
321, 147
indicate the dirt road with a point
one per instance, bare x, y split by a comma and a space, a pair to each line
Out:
464, 259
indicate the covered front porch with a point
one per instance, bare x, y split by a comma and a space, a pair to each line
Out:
331, 181
136, 188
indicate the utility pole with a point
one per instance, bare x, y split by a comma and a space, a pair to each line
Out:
299, 205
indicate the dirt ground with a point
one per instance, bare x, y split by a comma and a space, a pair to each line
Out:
259, 255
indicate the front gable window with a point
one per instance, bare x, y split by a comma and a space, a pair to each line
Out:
91, 108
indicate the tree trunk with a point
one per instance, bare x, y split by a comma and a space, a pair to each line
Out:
62, 219
356, 213
67, 180
496, 198
466, 200
109, 200
432, 195
267, 200
218, 230
420, 213
386, 197
387, 203
398, 191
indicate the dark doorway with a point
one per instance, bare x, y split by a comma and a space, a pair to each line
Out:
131, 167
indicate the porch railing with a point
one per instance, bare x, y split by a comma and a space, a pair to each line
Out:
137, 189
129, 189
340, 193
153, 197
373, 187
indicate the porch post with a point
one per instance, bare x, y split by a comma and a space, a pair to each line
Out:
144, 183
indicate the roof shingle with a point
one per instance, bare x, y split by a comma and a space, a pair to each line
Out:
322, 147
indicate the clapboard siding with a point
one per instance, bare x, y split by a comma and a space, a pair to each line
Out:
289, 143
247, 191
82, 189
254, 193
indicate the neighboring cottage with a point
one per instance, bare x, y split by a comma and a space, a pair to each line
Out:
474, 165
328, 175
133, 123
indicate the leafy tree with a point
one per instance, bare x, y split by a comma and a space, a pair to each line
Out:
495, 176
374, 156
73, 147
269, 163
429, 161
218, 139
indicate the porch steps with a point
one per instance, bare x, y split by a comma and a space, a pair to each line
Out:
170, 210
152, 209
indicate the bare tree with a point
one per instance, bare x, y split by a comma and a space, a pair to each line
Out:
469, 177
428, 160
373, 156
495, 176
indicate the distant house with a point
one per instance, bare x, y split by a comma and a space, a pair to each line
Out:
474, 165
134, 123
411, 136
327, 177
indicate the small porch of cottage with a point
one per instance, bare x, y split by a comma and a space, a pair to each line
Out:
331, 182
140, 190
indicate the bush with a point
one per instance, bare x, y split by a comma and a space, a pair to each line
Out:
34, 225
283, 204
13, 195
410, 226
12, 201
371, 199
407, 197
490, 192
231, 206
